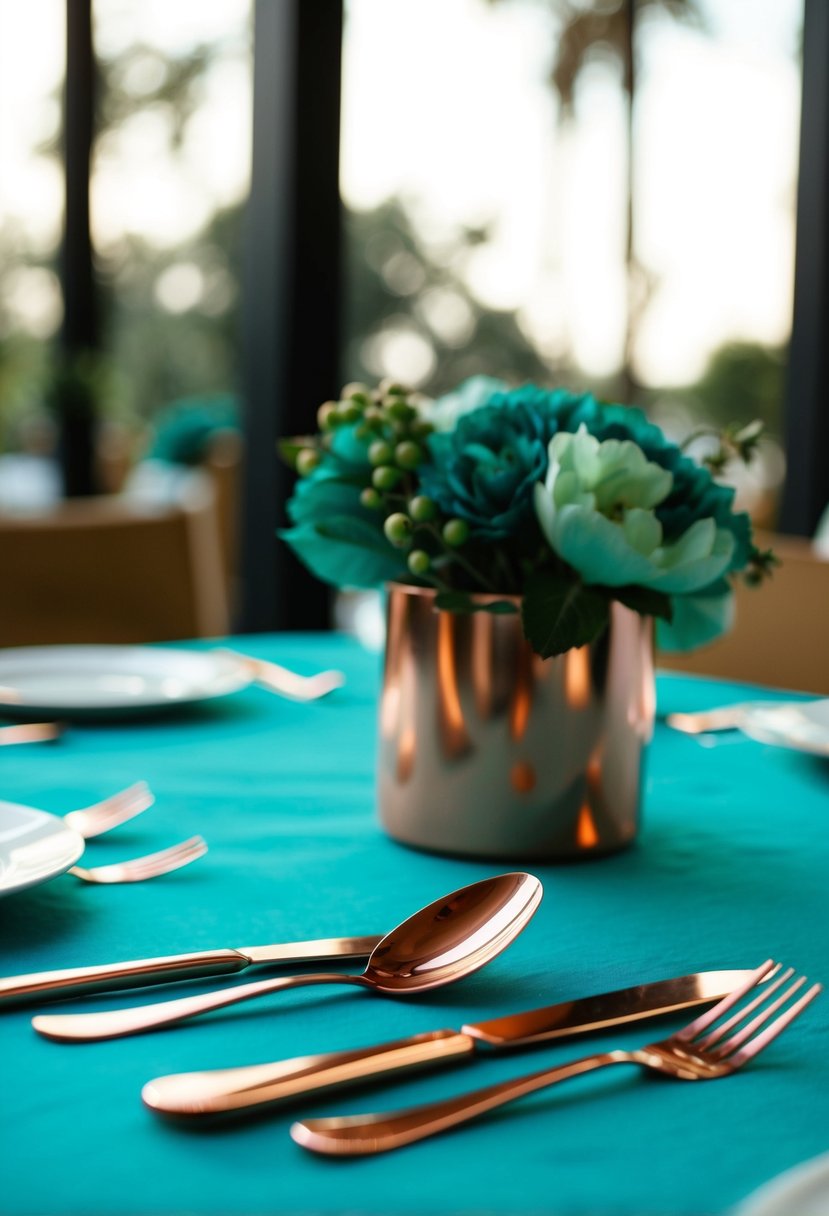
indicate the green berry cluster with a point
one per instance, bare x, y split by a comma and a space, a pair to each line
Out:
389, 418
386, 413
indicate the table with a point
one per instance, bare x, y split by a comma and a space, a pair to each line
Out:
731, 868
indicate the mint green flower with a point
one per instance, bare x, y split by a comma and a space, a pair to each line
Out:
596, 508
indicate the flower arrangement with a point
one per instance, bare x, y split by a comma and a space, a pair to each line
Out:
548, 502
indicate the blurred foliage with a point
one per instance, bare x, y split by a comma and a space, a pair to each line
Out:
168, 354
395, 285
141, 78
401, 290
743, 381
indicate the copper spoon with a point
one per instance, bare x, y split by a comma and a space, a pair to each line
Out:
443, 942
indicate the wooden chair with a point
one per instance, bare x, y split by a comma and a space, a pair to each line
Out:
223, 464
781, 635
155, 480
111, 570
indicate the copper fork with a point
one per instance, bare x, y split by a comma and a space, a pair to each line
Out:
94, 820
286, 683
699, 1052
139, 869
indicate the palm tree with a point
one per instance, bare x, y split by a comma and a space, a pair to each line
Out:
584, 27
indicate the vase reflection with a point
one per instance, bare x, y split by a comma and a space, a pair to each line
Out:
488, 750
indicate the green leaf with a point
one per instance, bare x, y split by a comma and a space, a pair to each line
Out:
560, 613
461, 601
321, 498
643, 600
346, 551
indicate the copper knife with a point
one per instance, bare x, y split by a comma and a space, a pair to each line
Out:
30, 732
222, 1090
75, 981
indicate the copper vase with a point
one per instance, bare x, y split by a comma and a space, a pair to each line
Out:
487, 750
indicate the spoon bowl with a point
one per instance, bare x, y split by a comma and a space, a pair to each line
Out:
443, 942
453, 936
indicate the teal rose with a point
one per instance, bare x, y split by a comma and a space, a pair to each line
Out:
484, 470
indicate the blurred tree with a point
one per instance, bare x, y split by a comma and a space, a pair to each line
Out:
743, 381
407, 308
407, 303
587, 31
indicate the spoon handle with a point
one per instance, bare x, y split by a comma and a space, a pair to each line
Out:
113, 1024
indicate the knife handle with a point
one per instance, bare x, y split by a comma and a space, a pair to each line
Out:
52, 985
221, 1090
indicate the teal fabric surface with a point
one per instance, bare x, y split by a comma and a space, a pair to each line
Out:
731, 868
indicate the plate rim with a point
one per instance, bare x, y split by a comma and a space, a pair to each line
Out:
768, 734
61, 828
233, 678
774, 1197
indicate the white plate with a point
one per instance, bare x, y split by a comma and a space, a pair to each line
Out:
34, 846
802, 1191
88, 680
803, 725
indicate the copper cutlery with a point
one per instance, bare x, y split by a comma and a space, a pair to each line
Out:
222, 1090
138, 973
741, 716
725, 717
31, 732
699, 1052
443, 942
91, 821
288, 683
140, 869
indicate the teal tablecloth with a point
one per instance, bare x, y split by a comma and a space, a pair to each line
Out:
731, 868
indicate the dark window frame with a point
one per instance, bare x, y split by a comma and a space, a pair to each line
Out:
806, 489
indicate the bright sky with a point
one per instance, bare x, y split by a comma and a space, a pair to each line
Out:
445, 102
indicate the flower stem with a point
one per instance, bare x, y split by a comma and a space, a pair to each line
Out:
455, 556
701, 432
506, 569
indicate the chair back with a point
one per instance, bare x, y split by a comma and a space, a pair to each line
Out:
109, 570
781, 635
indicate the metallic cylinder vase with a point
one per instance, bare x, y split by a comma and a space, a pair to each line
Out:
487, 750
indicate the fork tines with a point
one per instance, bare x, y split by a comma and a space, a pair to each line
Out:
746, 1042
110, 812
168, 859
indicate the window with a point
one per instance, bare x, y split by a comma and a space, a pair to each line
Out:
486, 172
32, 58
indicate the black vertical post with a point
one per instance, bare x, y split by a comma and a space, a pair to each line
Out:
633, 284
806, 491
292, 289
73, 396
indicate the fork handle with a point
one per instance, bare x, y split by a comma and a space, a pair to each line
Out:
360, 1135
73, 981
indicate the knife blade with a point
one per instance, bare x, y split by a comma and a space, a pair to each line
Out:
223, 1090
137, 973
